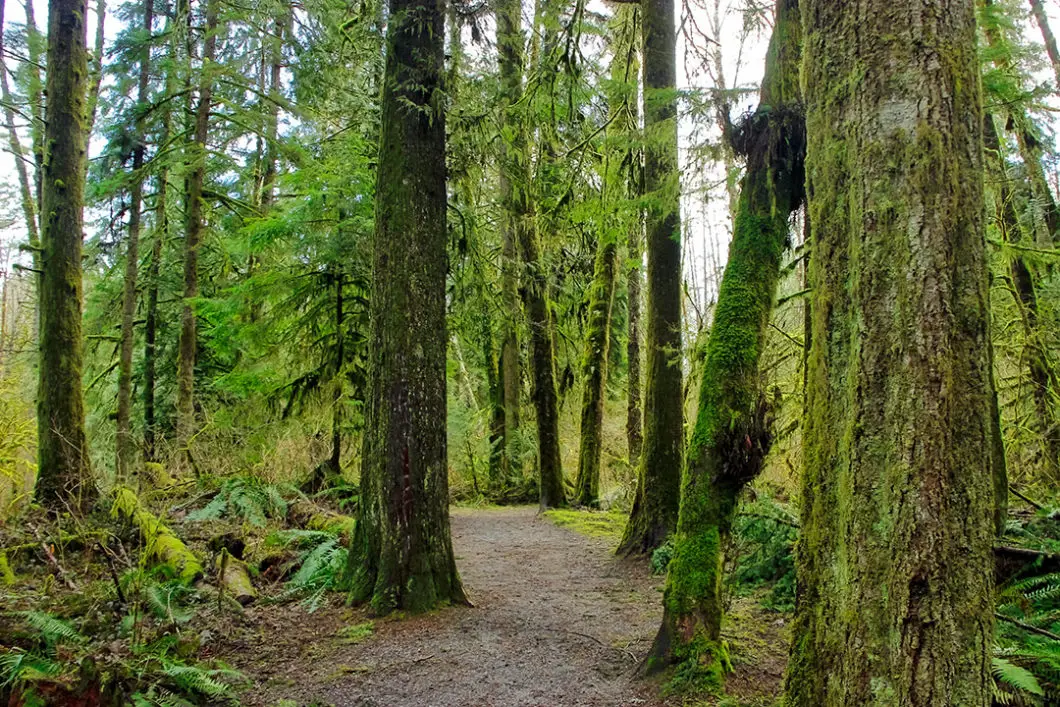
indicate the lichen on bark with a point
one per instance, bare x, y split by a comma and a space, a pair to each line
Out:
895, 573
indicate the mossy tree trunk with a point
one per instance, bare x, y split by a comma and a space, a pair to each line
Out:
1040, 368
895, 568
594, 372
654, 513
732, 435
401, 555
63, 478
126, 450
514, 197
634, 438
340, 364
194, 224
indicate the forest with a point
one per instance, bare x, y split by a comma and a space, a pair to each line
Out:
555, 353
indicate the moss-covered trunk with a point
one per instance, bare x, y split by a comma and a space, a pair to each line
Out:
543, 372
1043, 379
594, 372
63, 477
514, 188
732, 436
895, 568
401, 555
654, 512
196, 166
340, 364
634, 436
126, 450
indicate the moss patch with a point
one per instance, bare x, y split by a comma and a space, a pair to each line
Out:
595, 524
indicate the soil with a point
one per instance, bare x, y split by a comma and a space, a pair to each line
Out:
557, 621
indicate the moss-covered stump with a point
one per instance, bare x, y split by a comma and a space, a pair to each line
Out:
161, 545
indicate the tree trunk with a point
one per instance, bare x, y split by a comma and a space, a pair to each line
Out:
340, 362
1038, 10
1039, 366
542, 368
36, 97
732, 432
125, 448
514, 187
654, 513
594, 372
63, 481
401, 555
895, 567
633, 283
193, 236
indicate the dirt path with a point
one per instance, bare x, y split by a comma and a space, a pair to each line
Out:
558, 621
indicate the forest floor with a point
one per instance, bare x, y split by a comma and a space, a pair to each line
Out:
557, 621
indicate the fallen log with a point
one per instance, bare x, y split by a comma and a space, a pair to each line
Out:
234, 579
161, 544
308, 515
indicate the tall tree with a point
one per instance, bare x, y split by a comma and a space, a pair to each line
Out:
196, 166
1048, 38
732, 432
654, 513
515, 203
126, 449
29, 204
63, 477
401, 556
899, 440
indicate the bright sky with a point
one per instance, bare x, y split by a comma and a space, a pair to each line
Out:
708, 30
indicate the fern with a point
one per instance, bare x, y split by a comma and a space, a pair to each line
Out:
18, 667
321, 561
1014, 676
51, 630
244, 497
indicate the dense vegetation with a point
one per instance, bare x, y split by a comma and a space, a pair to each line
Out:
282, 282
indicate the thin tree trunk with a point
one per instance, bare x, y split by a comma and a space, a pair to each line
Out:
514, 188
634, 438
340, 362
126, 450
29, 204
401, 555
1038, 10
594, 372
732, 433
895, 564
654, 513
64, 480
151, 319
193, 237
35, 91
96, 67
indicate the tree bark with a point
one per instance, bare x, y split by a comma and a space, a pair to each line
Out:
895, 568
514, 187
401, 555
1040, 368
126, 450
64, 480
654, 513
594, 372
732, 432
340, 363
193, 237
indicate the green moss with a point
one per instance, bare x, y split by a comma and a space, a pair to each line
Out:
6, 575
595, 524
356, 633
